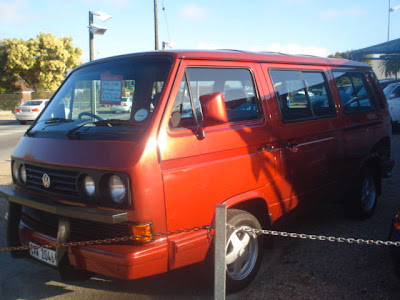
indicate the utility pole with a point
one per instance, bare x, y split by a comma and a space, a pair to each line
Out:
90, 37
389, 11
155, 25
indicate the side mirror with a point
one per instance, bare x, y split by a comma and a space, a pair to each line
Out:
214, 109
392, 96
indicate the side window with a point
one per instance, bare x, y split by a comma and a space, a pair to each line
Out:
302, 95
236, 85
354, 92
396, 93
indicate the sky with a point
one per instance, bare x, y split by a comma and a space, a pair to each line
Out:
315, 27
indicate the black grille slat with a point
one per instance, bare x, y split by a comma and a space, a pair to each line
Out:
79, 228
63, 182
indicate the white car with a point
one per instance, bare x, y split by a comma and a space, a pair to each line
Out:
30, 110
125, 106
392, 94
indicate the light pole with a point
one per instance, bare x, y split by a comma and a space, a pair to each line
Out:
96, 29
391, 9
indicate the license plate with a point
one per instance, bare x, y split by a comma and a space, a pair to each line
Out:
43, 254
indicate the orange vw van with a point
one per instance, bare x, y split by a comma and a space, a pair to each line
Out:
259, 132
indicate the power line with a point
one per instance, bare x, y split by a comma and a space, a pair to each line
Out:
166, 21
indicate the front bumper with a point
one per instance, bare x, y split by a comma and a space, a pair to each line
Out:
124, 260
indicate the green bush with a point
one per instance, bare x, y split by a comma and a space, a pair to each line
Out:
9, 101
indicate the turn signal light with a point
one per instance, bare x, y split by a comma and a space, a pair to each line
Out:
142, 232
17, 110
396, 222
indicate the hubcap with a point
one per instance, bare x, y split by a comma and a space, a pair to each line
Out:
241, 253
368, 194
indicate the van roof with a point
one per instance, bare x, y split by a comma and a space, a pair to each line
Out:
239, 55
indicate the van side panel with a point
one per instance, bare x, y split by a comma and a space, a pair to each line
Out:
311, 149
200, 173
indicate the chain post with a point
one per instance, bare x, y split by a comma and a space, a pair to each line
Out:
219, 255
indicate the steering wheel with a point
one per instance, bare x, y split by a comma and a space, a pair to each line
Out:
88, 114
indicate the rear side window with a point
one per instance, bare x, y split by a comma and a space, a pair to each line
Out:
302, 95
354, 92
236, 85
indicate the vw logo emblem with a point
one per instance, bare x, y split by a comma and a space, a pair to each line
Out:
46, 180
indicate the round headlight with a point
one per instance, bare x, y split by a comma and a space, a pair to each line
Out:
15, 170
22, 173
117, 189
89, 186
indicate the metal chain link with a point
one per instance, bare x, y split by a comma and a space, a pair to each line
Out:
110, 240
208, 228
316, 237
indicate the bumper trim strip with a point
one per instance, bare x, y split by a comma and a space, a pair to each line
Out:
84, 213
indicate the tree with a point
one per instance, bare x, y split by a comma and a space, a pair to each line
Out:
346, 55
42, 63
390, 65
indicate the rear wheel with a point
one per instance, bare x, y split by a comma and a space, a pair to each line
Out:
244, 250
22, 122
366, 194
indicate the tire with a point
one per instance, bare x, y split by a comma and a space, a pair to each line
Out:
244, 250
366, 194
22, 122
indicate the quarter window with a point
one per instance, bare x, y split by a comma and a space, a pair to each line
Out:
236, 85
302, 95
353, 91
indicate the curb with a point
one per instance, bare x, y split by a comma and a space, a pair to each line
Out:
8, 122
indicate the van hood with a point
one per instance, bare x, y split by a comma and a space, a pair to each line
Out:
108, 155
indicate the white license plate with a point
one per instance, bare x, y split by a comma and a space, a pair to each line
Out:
43, 254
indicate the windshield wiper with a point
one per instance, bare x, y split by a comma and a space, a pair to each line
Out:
109, 123
58, 120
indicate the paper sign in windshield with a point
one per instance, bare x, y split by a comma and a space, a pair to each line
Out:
110, 89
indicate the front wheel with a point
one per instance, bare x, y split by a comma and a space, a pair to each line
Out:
244, 250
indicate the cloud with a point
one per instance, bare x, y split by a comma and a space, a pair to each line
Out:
11, 11
115, 3
193, 12
274, 47
207, 46
341, 13
293, 49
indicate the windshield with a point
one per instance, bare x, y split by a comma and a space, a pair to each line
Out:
104, 98
32, 103
389, 89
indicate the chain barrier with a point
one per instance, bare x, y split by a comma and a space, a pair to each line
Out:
208, 228
316, 237
111, 240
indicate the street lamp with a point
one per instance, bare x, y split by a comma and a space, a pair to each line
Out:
96, 29
166, 45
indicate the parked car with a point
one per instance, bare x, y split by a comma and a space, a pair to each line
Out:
227, 128
30, 110
392, 94
385, 82
124, 106
394, 236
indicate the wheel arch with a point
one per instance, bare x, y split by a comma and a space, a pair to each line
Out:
256, 205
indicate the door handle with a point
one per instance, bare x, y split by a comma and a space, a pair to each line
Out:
266, 148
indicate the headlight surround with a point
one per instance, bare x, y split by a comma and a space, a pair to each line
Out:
22, 174
15, 170
117, 189
89, 186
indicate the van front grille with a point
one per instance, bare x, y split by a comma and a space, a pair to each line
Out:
80, 229
62, 182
